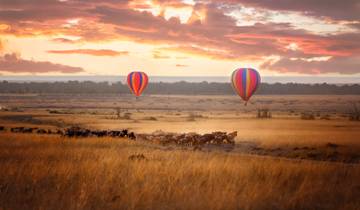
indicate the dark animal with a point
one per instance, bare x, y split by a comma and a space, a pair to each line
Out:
137, 157
59, 132
80, 132
190, 139
27, 130
17, 129
41, 131
132, 136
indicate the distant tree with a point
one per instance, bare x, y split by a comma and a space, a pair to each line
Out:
188, 88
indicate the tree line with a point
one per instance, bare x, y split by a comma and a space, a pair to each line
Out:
188, 88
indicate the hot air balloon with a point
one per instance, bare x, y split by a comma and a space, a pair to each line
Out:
137, 82
245, 82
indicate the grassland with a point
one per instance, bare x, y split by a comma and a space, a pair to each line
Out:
45, 172
272, 165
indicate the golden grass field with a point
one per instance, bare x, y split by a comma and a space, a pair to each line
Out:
52, 173
294, 169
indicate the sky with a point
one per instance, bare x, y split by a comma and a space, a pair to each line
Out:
180, 37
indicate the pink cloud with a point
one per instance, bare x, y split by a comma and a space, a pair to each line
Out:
181, 65
94, 52
15, 64
215, 36
342, 65
332, 9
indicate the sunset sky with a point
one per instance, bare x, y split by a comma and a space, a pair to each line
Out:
179, 38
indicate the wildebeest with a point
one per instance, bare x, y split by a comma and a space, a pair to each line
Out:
17, 129
59, 132
27, 130
41, 131
77, 132
131, 135
190, 139
137, 157
22, 130
81, 132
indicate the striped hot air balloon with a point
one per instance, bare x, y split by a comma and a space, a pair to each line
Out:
137, 82
245, 82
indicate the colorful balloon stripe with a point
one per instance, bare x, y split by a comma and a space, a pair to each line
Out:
137, 82
245, 82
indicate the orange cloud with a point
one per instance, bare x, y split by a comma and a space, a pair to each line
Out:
63, 40
93, 52
15, 64
208, 53
158, 55
181, 65
209, 32
342, 65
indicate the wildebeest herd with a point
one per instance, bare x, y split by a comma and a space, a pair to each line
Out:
81, 132
160, 137
33, 130
73, 132
190, 139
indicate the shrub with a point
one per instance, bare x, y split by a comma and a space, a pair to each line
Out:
354, 114
151, 118
307, 116
263, 113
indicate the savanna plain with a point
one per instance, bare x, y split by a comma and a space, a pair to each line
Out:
290, 152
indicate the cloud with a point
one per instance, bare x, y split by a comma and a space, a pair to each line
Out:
64, 40
159, 55
14, 64
38, 10
210, 31
94, 52
342, 65
331, 9
181, 65
203, 52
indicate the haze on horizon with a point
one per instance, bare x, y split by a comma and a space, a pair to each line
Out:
180, 37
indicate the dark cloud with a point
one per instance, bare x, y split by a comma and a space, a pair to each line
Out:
38, 10
209, 32
14, 64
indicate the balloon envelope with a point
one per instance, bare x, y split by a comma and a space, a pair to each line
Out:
245, 82
137, 82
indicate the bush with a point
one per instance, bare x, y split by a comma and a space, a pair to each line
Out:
127, 116
307, 116
325, 117
151, 118
354, 113
263, 113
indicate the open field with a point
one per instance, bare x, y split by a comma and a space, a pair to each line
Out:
55, 173
199, 114
283, 162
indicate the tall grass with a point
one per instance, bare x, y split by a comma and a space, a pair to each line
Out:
44, 172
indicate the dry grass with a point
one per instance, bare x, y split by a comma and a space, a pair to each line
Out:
43, 172
49, 172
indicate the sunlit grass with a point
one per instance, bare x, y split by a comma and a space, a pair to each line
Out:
49, 172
